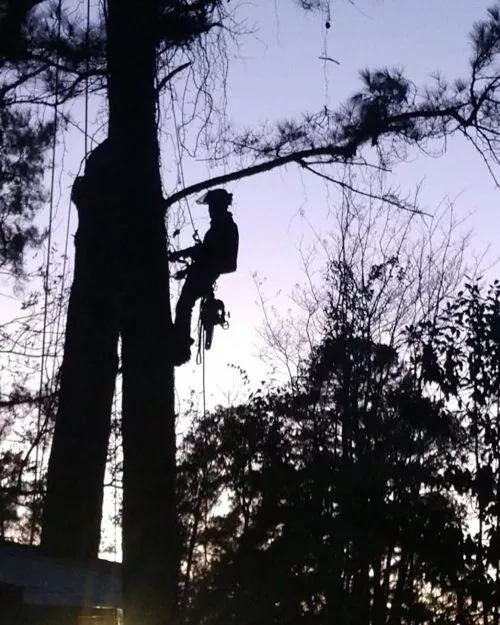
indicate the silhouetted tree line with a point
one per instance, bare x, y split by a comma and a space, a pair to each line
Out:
365, 493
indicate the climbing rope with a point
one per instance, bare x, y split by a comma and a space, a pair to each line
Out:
68, 219
46, 278
86, 151
200, 356
41, 427
180, 163
203, 375
325, 52
114, 470
87, 70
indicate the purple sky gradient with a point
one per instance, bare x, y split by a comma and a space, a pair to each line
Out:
276, 73
281, 76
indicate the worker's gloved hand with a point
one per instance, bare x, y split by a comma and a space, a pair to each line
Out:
189, 252
181, 274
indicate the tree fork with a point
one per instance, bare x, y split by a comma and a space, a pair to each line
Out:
150, 552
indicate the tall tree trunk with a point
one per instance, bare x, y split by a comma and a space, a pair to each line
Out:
150, 551
73, 504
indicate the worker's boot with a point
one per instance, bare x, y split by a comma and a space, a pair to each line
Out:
181, 350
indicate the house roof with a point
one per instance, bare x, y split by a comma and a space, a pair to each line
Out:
60, 582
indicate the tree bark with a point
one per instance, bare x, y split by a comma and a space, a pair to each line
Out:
73, 504
121, 284
150, 552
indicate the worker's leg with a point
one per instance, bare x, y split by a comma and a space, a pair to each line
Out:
194, 288
197, 284
184, 309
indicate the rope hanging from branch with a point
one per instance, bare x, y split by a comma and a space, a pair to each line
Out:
46, 285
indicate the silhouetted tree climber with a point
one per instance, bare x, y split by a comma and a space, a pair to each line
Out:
217, 254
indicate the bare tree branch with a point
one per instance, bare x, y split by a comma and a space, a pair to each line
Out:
164, 81
295, 157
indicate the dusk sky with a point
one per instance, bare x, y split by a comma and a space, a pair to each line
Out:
276, 73
279, 76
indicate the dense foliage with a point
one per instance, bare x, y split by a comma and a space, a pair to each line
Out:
367, 494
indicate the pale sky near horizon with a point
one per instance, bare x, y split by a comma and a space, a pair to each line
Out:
276, 73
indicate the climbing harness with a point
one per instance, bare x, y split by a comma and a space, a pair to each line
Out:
212, 313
